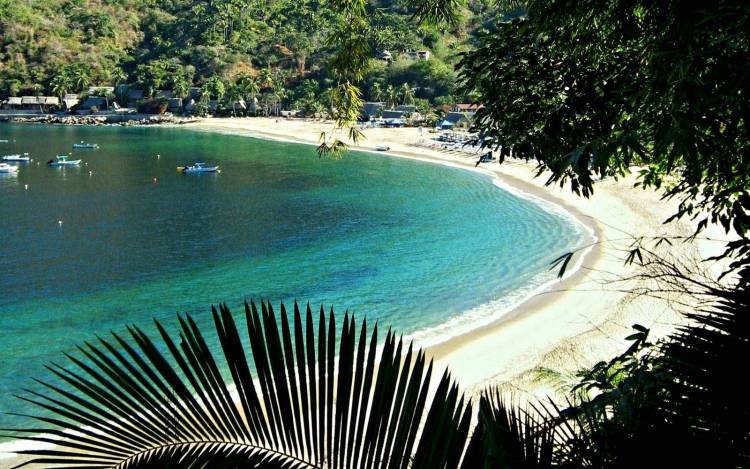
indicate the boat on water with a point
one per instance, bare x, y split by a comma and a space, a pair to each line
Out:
382, 147
86, 145
198, 168
62, 160
6, 168
17, 158
3, 141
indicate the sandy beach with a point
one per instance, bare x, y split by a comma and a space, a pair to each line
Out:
535, 348
572, 324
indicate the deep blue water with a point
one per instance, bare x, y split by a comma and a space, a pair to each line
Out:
411, 244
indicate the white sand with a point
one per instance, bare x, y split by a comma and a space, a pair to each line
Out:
572, 324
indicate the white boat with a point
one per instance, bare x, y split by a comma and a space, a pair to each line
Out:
62, 160
85, 145
6, 168
3, 141
198, 168
18, 158
382, 148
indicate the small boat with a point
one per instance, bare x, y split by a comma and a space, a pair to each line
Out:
86, 145
6, 168
18, 158
198, 168
382, 148
3, 141
62, 160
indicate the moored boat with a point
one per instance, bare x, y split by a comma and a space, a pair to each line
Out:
85, 145
62, 160
198, 168
382, 147
17, 158
6, 168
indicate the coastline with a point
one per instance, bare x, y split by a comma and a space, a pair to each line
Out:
534, 333
567, 324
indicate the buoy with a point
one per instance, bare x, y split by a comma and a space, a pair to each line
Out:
158, 156
218, 170
90, 173
59, 222
154, 179
25, 187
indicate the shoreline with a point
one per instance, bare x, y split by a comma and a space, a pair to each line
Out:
564, 326
588, 251
534, 332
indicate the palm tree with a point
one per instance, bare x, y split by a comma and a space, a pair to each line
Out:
376, 92
312, 399
266, 78
61, 84
81, 77
391, 95
407, 93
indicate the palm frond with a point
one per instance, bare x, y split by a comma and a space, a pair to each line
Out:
141, 403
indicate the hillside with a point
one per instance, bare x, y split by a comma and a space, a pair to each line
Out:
278, 48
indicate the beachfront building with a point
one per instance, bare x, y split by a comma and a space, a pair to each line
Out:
371, 111
456, 120
13, 103
407, 109
70, 100
31, 104
93, 104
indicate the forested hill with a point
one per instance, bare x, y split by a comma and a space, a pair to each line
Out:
57, 46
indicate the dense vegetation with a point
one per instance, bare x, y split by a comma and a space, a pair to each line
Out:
280, 50
585, 88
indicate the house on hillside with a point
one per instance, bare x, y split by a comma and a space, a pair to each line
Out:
417, 54
386, 56
456, 120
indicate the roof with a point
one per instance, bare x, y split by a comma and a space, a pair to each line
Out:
371, 109
14, 100
393, 114
43, 100
464, 107
456, 117
92, 101
406, 108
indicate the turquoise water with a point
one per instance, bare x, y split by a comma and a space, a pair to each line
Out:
413, 245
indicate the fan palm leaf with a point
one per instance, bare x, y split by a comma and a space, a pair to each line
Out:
139, 403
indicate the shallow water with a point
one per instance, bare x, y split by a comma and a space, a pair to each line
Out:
411, 244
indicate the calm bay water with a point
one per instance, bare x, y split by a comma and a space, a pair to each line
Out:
410, 244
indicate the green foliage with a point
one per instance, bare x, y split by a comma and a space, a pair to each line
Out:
312, 400
661, 84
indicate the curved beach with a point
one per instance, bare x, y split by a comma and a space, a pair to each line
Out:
572, 323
